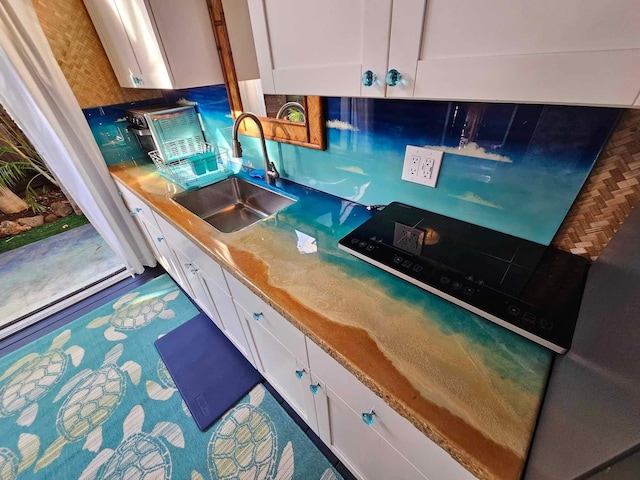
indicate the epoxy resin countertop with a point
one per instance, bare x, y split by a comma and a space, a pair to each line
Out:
471, 386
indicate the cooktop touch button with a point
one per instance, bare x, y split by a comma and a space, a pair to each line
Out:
546, 324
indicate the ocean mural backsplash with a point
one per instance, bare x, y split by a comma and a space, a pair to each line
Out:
510, 167
109, 128
513, 168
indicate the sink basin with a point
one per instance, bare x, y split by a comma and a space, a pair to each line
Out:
232, 204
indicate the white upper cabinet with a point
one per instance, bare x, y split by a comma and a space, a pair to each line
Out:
158, 43
321, 48
569, 52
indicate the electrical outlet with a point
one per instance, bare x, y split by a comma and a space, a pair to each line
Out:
421, 165
425, 170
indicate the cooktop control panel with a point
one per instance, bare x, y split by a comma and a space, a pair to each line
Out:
531, 289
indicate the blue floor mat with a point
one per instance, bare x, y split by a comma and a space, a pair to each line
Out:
209, 372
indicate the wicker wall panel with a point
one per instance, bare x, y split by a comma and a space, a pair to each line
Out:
609, 194
80, 55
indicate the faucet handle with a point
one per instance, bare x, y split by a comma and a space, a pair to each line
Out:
236, 148
272, 172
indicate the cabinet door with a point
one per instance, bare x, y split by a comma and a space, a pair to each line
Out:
355, 443
288, 375
422, 453
571, 52
166, 256
321, 48
106, 19
137, 208
234, 326
193, 275
151, 242
144, 42
188, 42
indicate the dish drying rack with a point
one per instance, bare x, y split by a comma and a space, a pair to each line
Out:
208, 164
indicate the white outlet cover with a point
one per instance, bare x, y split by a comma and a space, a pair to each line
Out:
421, 165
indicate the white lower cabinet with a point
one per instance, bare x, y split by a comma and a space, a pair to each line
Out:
194, 275
167, 258
368, 436
357, 444
204, 282
280, 351
146, 221
288, 375
235, 327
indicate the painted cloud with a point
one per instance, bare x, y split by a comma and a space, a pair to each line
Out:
357, 170
340, 125
185, 103
473, 198
472, 150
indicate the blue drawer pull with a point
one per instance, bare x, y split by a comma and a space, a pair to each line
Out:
256, 316
138, 210
393, 77
367, 417
300, 373
368, 78
314, 388
133, 214
160, 239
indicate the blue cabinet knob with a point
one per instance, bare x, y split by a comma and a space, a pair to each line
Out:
368, 78
119, 193
393, 77
160, 239
300, 373
133, 214
367, 417
314, 388
138, 210
256, 316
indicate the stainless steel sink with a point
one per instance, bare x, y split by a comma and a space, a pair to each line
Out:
232, 204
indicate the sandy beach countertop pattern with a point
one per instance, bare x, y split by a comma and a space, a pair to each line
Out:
471, 386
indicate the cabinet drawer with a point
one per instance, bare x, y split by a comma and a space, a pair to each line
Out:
270, 320
367, 454
136, 206
283, 370
429, 458
193, 253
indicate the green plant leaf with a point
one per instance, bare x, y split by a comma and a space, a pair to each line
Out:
296, 116
13, 172
31, 197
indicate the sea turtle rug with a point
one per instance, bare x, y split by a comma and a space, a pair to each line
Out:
93, 400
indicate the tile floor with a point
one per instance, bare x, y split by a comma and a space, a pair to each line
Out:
43, 272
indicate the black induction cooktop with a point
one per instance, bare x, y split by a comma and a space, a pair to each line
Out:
529, 288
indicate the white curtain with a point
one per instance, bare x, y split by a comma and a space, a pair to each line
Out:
35, 93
